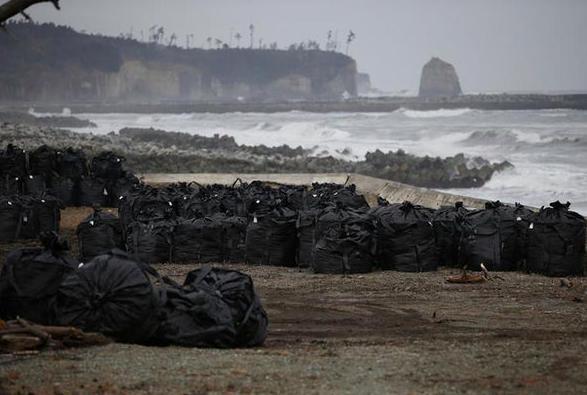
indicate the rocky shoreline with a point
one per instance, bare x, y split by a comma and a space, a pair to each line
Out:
157, 151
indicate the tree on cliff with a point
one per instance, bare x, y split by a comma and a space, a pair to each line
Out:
14, 7
252, 32
350, 38
238, 39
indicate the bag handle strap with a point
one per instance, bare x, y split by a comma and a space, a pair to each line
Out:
204, 271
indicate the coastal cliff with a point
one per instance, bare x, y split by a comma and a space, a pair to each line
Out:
45, 63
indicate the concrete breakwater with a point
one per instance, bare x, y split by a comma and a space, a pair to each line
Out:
368, 105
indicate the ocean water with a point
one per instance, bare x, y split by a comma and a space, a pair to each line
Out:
547, 147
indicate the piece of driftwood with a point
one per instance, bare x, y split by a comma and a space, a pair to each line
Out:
20, 335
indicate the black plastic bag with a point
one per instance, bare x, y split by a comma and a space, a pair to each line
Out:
237, 290
71, 163
494, 236
10, 185
34, 185
47, 210
93, 192
107, 165
347, 249
98, 234
306, 227
113, 295
234, 238
272, 239
10, 219
150, 243
556, 241
64, 189
194, 317
405, 238
146, 204
13, 162
43, 161
120, 187
447, 233
30, 278
29, 227
197, 241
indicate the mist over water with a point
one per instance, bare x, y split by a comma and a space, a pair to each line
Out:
546, 147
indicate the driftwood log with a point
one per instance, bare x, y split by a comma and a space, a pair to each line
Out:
20, 335
14, 7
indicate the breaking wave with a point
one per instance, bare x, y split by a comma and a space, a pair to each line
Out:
442, 113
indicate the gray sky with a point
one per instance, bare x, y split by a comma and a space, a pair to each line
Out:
495, 45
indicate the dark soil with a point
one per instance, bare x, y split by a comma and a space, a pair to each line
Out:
383, 332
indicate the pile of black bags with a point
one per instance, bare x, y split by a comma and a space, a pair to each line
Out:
255, 223
287, 226
126, 299
66, 174
26, 217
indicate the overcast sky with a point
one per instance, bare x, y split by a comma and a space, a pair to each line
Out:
495, 45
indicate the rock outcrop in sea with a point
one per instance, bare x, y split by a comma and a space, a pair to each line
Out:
439, 79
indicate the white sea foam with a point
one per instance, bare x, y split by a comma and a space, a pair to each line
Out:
442, 113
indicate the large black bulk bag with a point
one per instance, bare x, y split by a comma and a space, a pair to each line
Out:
34, 185
234, 238
113, 295
71, 163
30, 278
262, 202
107, 165
10, 185
13, 161
333, 216
556, 241
446, 223
323, 195
43, 161
98, 234
64, 189
48, 213
192, 207
405, 238
93, 192
294, 196
120, 187
348, 197
145, 204
150, 242
237, 290
233, 203
29, 227
194, 317
494, 236
10, 219
306, 228
197, 241
345, 250
272, 239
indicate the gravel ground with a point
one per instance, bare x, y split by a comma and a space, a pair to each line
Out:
384, 332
